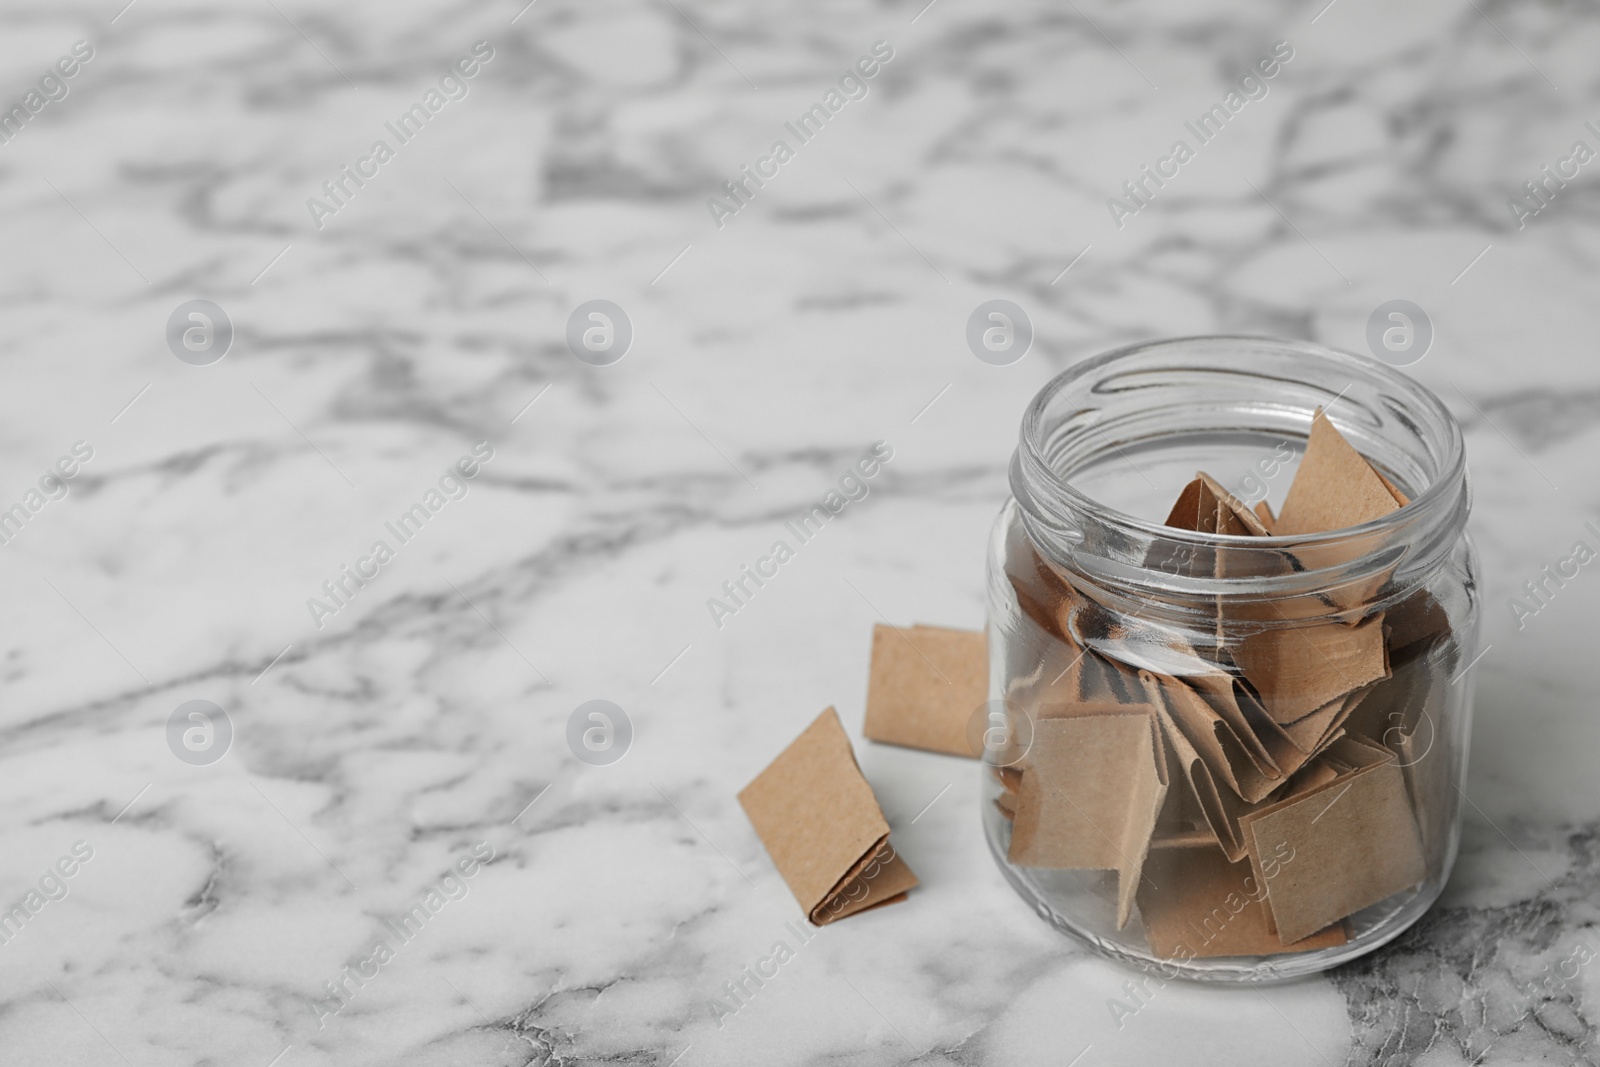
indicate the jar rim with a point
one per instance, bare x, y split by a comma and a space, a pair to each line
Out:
1440, 489
1182, 383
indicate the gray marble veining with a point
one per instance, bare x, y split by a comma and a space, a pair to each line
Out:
232, 912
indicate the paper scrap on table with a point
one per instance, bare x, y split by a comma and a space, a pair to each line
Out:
1089, 797
1195, 904
925, 684
822, 826
1353, 841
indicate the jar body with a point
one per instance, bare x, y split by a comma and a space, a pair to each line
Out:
1221, 760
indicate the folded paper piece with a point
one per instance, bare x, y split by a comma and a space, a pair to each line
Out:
1010, 779
1206, 507
1090, 792
1299, 668
1221, 807
926, 682
1415, 626
1352, 839
1313, 733
1220, 741
1041, 592
1196, 904
1335, 487
822, 826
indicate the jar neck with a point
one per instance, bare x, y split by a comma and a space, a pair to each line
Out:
1140, 400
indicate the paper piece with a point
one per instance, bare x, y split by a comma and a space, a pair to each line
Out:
1314, 732
1195, 904
1289, 746
1206, 507
1415, 626
1089, 797
1180, 814
1186, 838
1343, 846
1263, 512
1221, 807
1007, 805
1394, 490
1236, 705
1042, 592
1334, 488
924, 686
1298, 669
823, 828
1406, 714
1229, 749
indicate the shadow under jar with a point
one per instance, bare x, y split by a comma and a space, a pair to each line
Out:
1226, 757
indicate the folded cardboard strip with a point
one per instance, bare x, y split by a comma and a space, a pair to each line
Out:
1091, 789
1221, 807
925, 684
822, 826
1335, 488
1351, 841
1299, 668
1196, 904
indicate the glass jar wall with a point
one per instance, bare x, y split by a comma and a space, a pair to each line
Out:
1228, 755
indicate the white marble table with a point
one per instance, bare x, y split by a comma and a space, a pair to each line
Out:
421, 725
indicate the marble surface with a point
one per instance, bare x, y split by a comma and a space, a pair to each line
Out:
423, 724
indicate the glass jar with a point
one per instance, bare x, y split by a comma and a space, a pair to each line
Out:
1228, 756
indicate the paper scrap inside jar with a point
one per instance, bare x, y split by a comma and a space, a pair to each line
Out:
1297, 771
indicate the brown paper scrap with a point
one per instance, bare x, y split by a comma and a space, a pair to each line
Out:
1298, 669
1230, 753
1196, 905
1415, 626
1263, 512
1334, 488
1006, 803
1206, 507
1089, 798
1286, 745
925, 683
823, 828
1317, 730
1221, 807
1350, 842
1406, 714
1042, 592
